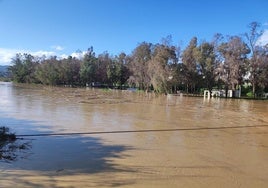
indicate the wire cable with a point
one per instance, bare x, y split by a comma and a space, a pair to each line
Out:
140, 131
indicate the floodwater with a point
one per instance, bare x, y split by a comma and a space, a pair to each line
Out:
214, 142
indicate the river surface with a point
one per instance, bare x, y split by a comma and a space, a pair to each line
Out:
190, 142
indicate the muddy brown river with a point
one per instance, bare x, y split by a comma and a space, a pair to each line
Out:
130, 139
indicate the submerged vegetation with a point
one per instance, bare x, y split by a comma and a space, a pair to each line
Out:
5, 135
9, 145
223, 63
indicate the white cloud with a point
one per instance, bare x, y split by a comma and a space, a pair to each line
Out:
57, 47
6, 54
78, 55
263, 40
42, 53
63, 56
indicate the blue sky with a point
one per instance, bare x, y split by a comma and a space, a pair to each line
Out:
61, 27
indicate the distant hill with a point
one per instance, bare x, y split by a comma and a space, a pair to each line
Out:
3, 70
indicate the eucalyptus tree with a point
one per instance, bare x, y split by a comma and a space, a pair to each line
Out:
207, 64
190, 65
176, 76
17, 69
71, 68
50, 72
160, 67
88, 67
23, 68
139, 66
256, 60
104, 60
121, 70
262, 68
233, 68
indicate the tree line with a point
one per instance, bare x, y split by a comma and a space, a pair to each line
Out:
224, 63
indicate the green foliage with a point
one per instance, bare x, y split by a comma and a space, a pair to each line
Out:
23, 68
160, 67
88, 67
250, 94
206, 64
233, 69
139, 66
222, 63
189, 59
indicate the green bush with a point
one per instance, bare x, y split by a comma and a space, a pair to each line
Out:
250, 94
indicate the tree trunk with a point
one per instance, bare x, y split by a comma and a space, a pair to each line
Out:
253, 89
226, 92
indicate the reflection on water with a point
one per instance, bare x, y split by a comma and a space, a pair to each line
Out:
204, 158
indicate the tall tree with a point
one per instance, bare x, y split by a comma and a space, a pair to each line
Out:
255, 61
23, 69
233, 68
71, 68
88, 67
103, 62
160, 67
207, 63
190, 65
139, 66
117, 71
261, 69
50, 72
17, 69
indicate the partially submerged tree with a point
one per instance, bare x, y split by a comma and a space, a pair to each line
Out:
257, 60
160, 67
157, 66
23, 69
88, 67
190, 65
207, 63
117, 71
233, 68
71, 67
261, 70
139, 65
50, 72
